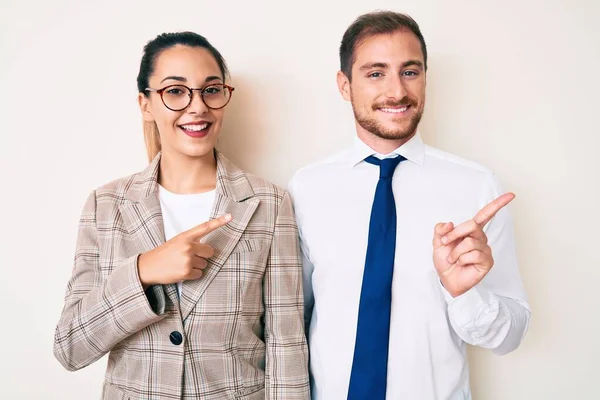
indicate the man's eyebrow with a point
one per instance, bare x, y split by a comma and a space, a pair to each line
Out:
374, 65
411, 63
383, 65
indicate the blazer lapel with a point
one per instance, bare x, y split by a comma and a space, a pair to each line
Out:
142, 216
234, 195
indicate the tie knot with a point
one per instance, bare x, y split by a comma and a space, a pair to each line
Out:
387, 166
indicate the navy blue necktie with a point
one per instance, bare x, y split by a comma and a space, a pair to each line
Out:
369, 368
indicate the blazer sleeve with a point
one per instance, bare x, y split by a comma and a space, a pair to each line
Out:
286, 372
100, 311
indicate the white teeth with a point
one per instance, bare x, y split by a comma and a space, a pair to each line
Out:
394, 110
195, 128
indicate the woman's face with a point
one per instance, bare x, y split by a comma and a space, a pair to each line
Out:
192, 131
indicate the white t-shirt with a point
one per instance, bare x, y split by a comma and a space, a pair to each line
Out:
182, 212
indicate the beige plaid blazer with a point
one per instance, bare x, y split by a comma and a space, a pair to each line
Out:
241, 323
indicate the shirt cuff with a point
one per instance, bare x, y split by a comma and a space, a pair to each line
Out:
467, 307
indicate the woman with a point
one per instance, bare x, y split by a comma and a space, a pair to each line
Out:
188, 272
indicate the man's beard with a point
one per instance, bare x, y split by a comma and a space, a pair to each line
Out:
370, 124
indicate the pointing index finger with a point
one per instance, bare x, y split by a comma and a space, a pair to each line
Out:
205, 228
487, 213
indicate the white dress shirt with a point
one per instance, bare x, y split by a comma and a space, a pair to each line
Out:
429, 328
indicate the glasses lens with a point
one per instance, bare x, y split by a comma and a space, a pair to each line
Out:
216, 96
176, 97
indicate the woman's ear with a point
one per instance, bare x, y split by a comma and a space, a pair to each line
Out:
144, 103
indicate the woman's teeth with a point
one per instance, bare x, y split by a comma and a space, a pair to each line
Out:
194, 128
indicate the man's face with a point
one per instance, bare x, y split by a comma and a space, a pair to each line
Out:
387, 90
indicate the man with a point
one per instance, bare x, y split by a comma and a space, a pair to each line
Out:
394, 290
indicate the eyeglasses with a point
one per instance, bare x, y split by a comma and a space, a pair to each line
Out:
178, 97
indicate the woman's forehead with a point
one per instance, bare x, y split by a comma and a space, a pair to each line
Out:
195, 64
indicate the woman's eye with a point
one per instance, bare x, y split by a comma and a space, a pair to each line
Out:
212, 90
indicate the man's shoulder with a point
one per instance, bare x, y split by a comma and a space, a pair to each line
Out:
316, 171
440, 158
448, 168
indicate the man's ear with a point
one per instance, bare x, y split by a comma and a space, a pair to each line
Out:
145, 107
344, 85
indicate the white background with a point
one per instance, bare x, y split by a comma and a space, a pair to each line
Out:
512, 85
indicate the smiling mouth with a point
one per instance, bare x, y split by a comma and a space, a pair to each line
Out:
395, 110
195, 127
197, 130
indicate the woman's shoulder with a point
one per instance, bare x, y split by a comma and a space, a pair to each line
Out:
104, 199
244, 184
116, 192
265, 189
117, 188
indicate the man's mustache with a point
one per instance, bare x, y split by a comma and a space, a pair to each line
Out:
402, 103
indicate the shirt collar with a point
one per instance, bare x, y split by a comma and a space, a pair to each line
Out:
413, 151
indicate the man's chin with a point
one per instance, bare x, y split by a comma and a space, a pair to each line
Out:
394, 135
390, 130
395, 132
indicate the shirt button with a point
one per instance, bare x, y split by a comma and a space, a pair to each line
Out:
176, 338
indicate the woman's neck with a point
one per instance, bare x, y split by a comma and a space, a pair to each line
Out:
183, 175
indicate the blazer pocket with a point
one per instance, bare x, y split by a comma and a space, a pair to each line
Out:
245, 245
252, 393
112, 392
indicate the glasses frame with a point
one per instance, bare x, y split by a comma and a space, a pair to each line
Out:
191, 94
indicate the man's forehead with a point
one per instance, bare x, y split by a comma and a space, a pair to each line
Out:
397, 47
